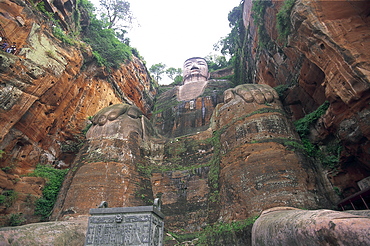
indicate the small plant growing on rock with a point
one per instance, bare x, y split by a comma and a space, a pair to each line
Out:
337, 191
16, 219
8, 197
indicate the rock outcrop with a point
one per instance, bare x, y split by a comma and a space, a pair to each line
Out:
108, 165
56, 233
324, 58
48, 90
291, 226
261, 163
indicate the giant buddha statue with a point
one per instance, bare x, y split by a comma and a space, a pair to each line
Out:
196, 75
187, 109
230, 154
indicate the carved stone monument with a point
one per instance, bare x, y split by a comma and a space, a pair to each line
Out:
139, 226
196, 76
187, 109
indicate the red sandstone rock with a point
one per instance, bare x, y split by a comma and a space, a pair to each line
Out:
325, 58
108, 166
290, 226
258, 169
46, 97
58, 233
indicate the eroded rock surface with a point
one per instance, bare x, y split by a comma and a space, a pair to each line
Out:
261, 163
324, 58
46, 95
58, 233
108, 165
291, 226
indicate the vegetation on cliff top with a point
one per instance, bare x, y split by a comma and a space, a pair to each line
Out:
258, 14
110, 47
108, 50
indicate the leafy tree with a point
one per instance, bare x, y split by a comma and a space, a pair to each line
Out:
216, 62
178, 80
108, 50
120, 34
231, 43
114, 11
172, 72
157, 70
234, 44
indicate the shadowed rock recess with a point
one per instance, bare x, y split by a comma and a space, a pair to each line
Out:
261, 161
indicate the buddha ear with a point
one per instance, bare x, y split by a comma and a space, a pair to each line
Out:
208, 75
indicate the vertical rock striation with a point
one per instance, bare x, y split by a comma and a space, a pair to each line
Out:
262, 163
48, 89
323, 58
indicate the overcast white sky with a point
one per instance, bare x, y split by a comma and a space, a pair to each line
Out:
172, 31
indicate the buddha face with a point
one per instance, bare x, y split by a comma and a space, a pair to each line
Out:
195, 70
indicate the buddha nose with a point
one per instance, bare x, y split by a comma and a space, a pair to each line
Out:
194, 66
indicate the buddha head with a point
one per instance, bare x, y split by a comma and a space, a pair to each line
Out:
195, 70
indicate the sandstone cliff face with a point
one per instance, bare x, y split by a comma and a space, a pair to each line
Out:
47, 91
325, 58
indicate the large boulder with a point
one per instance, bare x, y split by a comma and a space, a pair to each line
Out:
291, 226
56, 233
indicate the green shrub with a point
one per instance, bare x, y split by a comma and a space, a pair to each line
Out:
258, 13
72, 146
337, 191
328, 154
54, 179
86, 129
303, 125
2, 199
41, 7
16, 219
212, 233
59, 33
8, 197
281, 89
